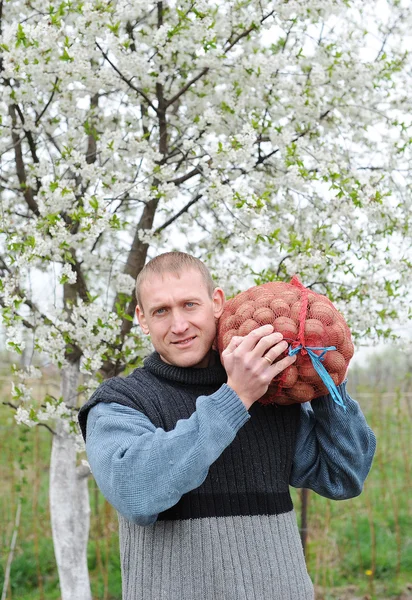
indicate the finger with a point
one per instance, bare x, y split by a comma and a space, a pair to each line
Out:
252, 338
282, 364
267, 342
233, 344
275, 351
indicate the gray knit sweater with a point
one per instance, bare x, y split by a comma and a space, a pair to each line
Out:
221, 519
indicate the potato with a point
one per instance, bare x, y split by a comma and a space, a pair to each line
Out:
245, 311
334, 361
280, 308
301, 391
308, 373
263, 316
322, 312
248, 326
287, 327
289, 377
228, 336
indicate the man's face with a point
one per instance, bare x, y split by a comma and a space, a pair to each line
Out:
180, 316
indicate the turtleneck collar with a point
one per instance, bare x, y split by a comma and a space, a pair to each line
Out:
213, 375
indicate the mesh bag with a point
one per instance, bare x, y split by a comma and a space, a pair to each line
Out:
312, 326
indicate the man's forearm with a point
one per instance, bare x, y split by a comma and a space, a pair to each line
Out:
334, 449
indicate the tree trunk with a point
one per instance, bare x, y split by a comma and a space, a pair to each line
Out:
69, 504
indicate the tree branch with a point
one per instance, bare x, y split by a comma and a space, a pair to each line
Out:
128, 81
186, 87
138, 252
246, 32
26, 323
20, 168
183, 178
91, 152
178, 214
10, 404
38, 119
386, 37
143, 112
47, 427
262, 159
28, 135
129, 31
80, 285
281, 263
53, 141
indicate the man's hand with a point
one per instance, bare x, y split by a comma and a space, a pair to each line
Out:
248, 362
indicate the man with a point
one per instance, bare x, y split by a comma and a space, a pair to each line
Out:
198, 471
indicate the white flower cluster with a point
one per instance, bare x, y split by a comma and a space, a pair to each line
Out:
89, 327
67, 274
15, 337
92, 329
24, 417
20, 392
124, 283
50, 341
146, 236
54, 412
55, 199
89, 386
8, 289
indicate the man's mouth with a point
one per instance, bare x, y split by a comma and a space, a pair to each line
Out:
184, 342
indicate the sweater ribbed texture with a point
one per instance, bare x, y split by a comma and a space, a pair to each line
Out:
225, 558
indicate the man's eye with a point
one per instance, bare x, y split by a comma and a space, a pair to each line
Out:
190, 304
160, 311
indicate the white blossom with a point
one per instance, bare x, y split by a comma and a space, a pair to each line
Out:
67, 274
53, 412
20, 392
22, 417
124, 283
286, 150
14, 337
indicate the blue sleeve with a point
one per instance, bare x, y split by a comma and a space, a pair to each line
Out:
334, 449
143, 470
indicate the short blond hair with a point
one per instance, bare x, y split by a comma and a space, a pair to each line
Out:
173, 262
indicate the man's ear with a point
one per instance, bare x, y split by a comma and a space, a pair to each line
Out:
218, 298
142, 320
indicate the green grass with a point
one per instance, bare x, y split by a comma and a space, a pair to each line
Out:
356, 548
366, 542
24, 464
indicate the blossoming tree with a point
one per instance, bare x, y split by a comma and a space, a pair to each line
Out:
266, 137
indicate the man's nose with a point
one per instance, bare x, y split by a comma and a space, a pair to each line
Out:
179, 322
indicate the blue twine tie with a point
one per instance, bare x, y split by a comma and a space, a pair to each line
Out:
320, 369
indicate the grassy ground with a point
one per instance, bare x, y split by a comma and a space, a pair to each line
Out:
360, 548
363, 547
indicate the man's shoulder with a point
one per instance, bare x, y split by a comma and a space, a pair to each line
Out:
129, 391
110, 409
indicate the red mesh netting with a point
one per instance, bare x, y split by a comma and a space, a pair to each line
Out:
303, 317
